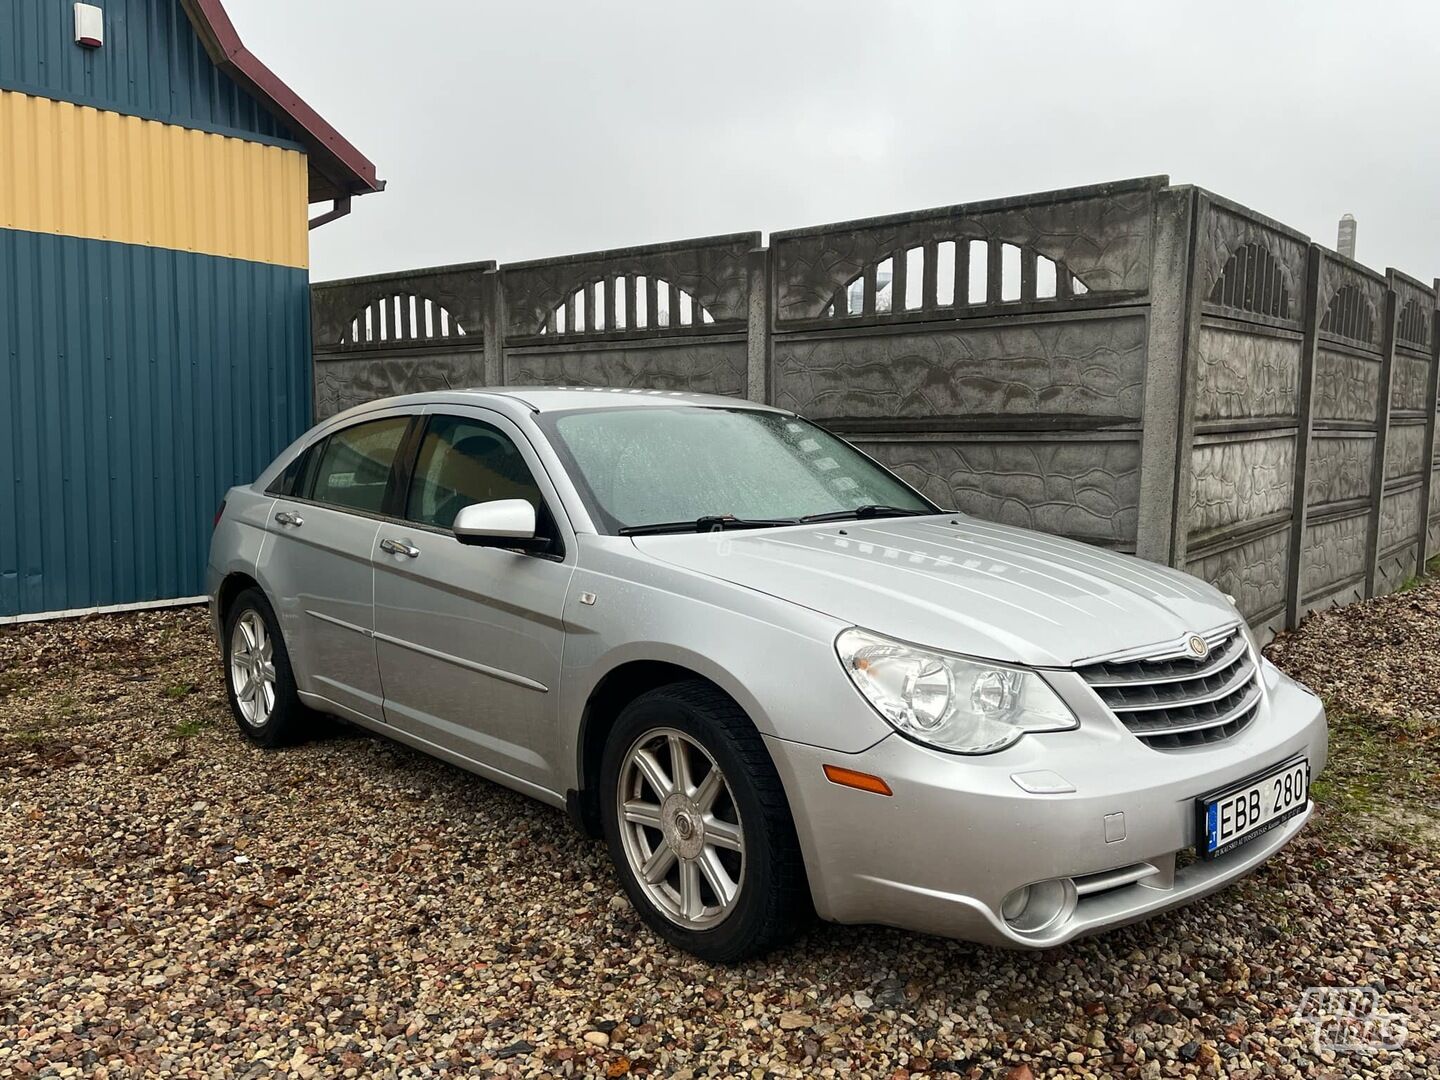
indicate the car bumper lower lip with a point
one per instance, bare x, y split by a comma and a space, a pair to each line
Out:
960, 835
959, 915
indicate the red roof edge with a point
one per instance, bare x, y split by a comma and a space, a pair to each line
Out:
335, 157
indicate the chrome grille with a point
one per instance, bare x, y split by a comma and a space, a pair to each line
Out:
1172, 700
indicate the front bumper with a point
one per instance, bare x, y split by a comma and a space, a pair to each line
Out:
959, 835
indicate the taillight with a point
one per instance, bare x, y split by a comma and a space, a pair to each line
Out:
218, 515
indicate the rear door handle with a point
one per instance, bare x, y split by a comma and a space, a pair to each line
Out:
285, 517
398, 547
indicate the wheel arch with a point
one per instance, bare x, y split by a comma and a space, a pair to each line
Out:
231, 586
619, 686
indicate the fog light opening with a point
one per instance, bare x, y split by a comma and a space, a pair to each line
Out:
1033, 909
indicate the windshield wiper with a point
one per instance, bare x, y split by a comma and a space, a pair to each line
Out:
710, 523
869, 510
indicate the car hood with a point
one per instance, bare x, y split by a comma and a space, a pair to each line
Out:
961, 585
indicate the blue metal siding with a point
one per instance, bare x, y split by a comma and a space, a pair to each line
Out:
137, 384
152, 65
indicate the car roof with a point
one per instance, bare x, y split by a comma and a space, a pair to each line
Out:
542, 399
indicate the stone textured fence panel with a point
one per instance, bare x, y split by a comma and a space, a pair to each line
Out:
672, 316
1149, 367
1242, 408
398, 333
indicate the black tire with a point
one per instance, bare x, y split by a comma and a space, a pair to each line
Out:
288, 720
774, 898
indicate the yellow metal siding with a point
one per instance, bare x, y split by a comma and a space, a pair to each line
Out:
76, 171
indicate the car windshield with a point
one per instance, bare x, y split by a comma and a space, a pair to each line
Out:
661, 465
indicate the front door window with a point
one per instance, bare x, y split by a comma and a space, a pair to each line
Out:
464, 461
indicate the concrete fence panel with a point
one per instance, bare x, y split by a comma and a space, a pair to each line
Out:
669, 316
1244, 408
398, 333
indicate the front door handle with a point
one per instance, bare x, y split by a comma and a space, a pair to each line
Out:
285, 517
398, 547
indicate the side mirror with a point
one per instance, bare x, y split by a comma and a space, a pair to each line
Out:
503, 523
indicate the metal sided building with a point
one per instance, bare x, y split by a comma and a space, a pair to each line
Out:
155, 184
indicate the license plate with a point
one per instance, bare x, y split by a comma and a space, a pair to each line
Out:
1251, 808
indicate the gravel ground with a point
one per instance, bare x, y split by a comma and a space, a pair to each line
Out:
175, 902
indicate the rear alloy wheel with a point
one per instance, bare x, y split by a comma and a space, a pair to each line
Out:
258, 678
252, 669
698, 824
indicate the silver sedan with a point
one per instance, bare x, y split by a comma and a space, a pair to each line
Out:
770, 673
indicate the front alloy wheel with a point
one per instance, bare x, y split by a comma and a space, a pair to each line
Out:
681, 830
698, 824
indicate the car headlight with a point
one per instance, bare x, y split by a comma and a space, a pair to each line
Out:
964, 706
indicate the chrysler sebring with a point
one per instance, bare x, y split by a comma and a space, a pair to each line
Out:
771, 674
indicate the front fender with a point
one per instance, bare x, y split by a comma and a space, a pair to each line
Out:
775, 658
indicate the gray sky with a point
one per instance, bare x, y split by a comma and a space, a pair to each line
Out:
536, 127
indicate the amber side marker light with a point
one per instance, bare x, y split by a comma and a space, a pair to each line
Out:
862, 781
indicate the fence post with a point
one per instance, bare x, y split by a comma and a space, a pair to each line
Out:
1304, 437
1382, 441
1167, 351
757, 342
1427, 457
492, 307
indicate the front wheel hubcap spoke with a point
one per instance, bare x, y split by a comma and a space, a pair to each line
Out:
709, 790
723, 834
643, 813
679, 764
654, 773
657, 866
724, 887
692, 905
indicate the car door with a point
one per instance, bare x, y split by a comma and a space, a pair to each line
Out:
317, 565
469, 638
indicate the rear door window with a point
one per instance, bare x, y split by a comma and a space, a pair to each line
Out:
353, 471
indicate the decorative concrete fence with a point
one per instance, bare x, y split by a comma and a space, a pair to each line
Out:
1147, 367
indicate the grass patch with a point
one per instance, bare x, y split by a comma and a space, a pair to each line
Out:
1432, 568
1383, 777
190, 727
28, 736
10, 682
179, 690
63, 711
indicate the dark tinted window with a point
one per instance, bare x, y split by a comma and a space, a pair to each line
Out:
305, 482
466, 461
288, 482
354, 466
